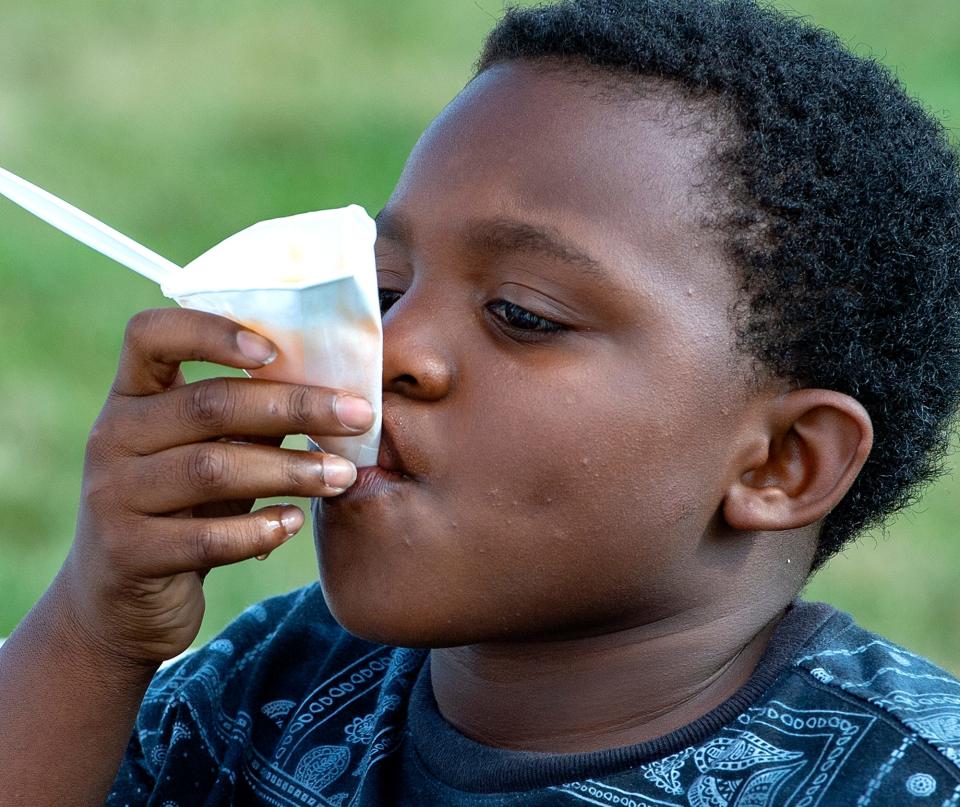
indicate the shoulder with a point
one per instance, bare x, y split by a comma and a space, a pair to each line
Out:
849, 718
906, 689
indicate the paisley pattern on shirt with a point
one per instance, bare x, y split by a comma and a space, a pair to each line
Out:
287, 709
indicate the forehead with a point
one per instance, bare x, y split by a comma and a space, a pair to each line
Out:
612, 170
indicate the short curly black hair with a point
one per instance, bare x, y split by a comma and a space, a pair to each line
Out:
841, 213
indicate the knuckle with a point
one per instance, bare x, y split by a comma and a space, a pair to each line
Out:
299, 406
209, 406
104, 442
100, 497
112, 530
139, 326
117, 549
206, 545
207, 468
100, 450
294, 475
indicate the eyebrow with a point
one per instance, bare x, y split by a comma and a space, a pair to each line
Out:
506, 235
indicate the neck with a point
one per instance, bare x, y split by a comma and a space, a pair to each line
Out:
599, 692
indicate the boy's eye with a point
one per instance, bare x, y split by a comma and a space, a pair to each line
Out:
520, 319
387, 299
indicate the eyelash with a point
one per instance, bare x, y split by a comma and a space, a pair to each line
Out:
385, 308
541, 325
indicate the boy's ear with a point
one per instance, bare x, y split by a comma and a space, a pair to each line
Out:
804, 451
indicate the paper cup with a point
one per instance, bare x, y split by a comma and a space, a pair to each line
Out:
308, 283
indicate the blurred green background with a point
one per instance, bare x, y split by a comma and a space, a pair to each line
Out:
182, 122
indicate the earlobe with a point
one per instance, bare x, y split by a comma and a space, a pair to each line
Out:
807, 450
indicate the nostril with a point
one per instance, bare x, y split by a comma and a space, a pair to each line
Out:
417, 372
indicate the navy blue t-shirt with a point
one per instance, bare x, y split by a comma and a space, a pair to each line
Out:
286, 708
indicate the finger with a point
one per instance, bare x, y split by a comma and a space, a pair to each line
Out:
158, 340
219, 407
194, 544
188, 476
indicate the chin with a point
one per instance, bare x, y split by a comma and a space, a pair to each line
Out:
374, 620
423, 588
387, 585
407, 614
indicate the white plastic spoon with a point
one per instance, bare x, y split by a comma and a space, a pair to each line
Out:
86, 229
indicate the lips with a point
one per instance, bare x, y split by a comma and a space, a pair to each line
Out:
393, 456
389, 458
392, 475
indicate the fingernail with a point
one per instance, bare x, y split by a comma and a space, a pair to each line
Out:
255, 347
263, 557
354, 412
338, 472
292, 520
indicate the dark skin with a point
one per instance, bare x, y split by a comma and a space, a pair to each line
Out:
609, 520
606, 521
167, 487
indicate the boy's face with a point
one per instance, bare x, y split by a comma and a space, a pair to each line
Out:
568, 483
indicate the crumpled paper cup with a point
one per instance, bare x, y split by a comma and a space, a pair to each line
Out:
309, 284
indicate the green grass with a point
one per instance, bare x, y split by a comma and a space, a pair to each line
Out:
182, 122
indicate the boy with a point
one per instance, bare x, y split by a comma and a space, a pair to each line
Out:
671, 312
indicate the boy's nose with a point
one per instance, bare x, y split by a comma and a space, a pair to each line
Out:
417, 351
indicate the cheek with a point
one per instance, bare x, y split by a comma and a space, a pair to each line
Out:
579, 496
586, 461
559, 507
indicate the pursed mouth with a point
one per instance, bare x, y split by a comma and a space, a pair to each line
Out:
388, 459
373, 481
393, 457
392, 475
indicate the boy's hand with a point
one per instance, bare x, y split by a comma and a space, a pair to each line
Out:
171, 472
